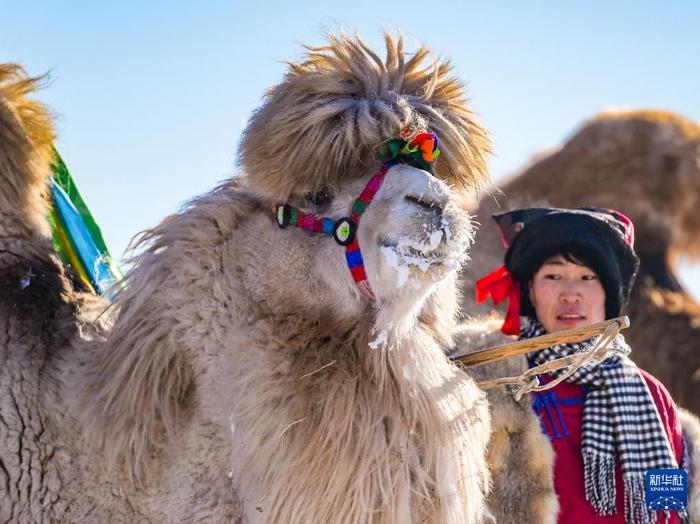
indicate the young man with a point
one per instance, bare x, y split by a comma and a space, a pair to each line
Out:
608, 423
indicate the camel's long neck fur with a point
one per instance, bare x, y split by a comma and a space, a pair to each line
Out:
367, 432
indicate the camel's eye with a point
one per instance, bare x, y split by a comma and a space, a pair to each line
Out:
320, 199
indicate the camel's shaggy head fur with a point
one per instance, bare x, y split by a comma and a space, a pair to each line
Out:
323, 124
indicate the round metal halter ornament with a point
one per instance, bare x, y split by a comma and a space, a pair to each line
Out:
344, 231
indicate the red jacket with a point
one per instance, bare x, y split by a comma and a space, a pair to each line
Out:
561, 412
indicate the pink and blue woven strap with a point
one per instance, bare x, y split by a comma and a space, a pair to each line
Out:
309, 221
353, 255
343, 230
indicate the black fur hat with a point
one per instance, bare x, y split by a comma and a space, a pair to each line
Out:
601, 239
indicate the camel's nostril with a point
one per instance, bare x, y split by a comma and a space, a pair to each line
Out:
424, 203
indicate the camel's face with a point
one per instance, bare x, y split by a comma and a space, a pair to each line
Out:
411, 236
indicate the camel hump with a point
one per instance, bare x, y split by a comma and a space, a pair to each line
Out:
673, 126
26, 152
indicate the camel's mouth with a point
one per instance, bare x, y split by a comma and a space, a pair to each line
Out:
421, 252
435, 255
435, 244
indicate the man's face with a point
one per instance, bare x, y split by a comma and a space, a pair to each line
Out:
566, 295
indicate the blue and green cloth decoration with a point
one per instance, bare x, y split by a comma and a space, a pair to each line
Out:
77, 236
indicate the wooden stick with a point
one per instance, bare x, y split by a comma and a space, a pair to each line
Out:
485, 356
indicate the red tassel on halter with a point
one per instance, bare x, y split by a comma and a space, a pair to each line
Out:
425, 142
501, 285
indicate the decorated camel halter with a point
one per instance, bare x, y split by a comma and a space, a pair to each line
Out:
420, 152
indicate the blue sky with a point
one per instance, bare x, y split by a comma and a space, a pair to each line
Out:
151, 97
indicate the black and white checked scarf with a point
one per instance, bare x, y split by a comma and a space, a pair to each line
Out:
619, 419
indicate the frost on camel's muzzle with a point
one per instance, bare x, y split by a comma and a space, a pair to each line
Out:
420, 152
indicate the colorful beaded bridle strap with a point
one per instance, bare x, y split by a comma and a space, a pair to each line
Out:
419, 152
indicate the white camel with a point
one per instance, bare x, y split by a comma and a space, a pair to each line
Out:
242, 373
